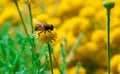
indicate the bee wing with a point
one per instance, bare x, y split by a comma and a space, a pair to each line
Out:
36, 21
38, 26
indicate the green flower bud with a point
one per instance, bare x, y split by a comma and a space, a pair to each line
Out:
108, 5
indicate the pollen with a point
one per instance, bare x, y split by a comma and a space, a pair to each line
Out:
47, 37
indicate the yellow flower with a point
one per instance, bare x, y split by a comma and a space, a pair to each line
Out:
72, 70
35, 11
79, 23
47, 37
85, 25
75, 4
101, 58
70, 40
51, 10
56, 71
100, 18
99, 71
115, 39
13, 0
114, 62
10, 14
115, 11
87, 50
107, 72
1, 21
42, 18
115, 23
97, 4
63, 8
56, 21
99, 37
12, 33
118, 68
87, 12
26, 1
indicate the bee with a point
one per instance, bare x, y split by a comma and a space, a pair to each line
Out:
43, 27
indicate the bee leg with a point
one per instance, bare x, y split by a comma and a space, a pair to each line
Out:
49, 31
45, 32
39, 33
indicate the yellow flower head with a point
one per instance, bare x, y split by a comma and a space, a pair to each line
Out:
13, 0
115, 23
25, 1
47, 37
100, 18
72, 70
56, 21
99, 37
42, 18
87, 12
101, 58
63, 8
118, 68
114, 63
99, 71
10, 14
115, 38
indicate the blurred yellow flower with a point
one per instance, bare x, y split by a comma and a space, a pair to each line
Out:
79, 23
51, 10
100, 18
36, 11
2, 21
99, 37
70, 40
115, 39
85, 25
56, 71
99, 71
88, 12
26, 1
75, 5
116, 11
97, 4
87, 50
10, 14
118, 68
114, 62
63, 8
12, 33
107, 72
101, 58
115, 23
73, 70
42, 18
56, 21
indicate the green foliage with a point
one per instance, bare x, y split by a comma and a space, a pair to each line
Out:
15, 54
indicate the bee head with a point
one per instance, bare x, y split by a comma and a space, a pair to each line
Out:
51, 27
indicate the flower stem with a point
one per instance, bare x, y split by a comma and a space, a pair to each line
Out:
30, 17
108, 43
74, 47
30, 13
21, 19
31, 43
108, 6
50, 58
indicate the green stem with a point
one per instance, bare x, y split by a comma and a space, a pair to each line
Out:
32, 52
30, 17
22, 19
50, 58
108, 43
74, 47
